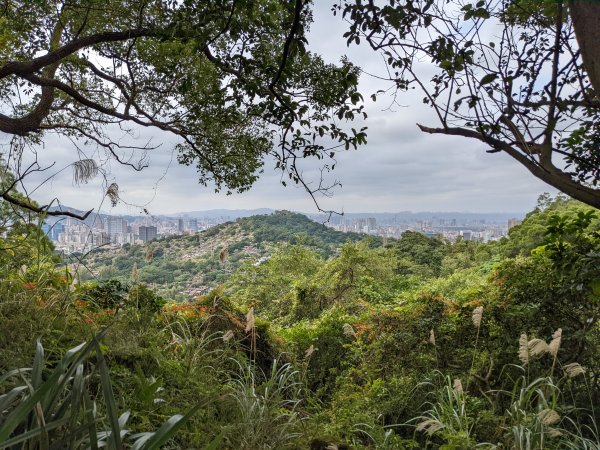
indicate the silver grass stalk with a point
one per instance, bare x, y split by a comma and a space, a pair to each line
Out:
309, 351
223, 255
549, 417
477, 315
432, 337
476, 318
458, 387
348, 330
228, 336
574, 369
538, 348
554, 345
554, 433
135, 277
250, 320
430, 426
149, 254
523, 349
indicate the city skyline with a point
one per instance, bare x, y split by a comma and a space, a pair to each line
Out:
72, 236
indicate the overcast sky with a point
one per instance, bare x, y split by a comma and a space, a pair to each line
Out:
399, 169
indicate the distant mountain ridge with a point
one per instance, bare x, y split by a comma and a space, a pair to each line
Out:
233, 214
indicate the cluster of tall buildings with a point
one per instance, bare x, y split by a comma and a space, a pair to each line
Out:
71, 235
451, 229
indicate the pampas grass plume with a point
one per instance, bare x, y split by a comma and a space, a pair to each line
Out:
549, 417
574, 369
309, 351
348, 330
538, 347
250, 321
477, 315
228, 336
458, 387
523, 349
554, 345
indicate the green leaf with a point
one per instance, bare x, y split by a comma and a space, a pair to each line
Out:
487, 79
38, 365
160, 437
215, 444
33, 433
109, 398
14, 373
51, 388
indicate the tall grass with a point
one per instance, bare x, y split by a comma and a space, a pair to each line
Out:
45, 407
540, 414
266, 407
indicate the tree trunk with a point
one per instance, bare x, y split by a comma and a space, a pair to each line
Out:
586, 22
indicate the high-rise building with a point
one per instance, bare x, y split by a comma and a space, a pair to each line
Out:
100, 238
467, 235
116, 226
180, 225
193, 225
52, 231
147, 233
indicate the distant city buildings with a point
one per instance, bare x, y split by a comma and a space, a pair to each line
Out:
71, 236
147, 234
116, 225
450, 229
53, 231
466, 235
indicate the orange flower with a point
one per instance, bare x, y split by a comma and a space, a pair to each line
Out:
87, 319
80, 303
29, 285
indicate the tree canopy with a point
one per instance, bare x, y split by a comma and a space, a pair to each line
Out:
232, 80
520, 76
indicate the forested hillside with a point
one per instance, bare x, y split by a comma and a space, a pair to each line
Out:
182, 267
415, 344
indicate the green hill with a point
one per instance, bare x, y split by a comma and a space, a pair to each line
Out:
182, 267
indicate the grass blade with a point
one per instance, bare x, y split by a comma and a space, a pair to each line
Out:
167, 430
109, 398
32, 433
50, 389
38, 365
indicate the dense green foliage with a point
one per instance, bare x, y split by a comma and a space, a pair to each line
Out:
416, 344
232, 81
